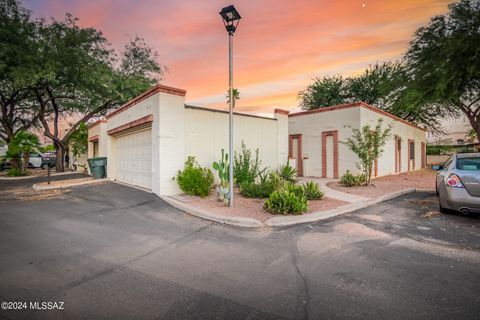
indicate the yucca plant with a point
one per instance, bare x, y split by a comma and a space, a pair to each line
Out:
287, 172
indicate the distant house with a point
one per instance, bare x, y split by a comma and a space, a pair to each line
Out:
315, 141
454, 132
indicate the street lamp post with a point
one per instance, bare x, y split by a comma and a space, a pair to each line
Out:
230, 17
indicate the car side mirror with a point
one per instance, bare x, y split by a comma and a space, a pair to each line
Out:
437, 168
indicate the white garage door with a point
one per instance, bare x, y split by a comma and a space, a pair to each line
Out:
133, 158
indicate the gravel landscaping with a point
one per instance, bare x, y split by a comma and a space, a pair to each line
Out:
421, 179
253, 208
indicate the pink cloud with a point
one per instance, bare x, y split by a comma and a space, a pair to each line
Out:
276, 40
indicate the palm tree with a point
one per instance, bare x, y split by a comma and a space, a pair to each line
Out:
236, 96
20, 147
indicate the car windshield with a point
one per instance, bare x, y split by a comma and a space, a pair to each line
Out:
469, 164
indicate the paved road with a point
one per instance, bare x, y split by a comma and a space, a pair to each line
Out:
114, 252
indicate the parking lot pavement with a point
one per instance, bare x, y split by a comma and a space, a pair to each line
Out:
110, 251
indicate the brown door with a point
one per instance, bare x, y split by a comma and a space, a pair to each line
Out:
411, 155
330, 154
295, 152
398, 154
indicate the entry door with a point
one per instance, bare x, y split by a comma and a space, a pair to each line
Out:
133, 158
295, 152
329, 158
330, 154
411, 155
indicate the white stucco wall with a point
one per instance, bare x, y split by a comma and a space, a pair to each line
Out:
149, 106
206, 133
386, 162
311, 127
100, 130
179, 131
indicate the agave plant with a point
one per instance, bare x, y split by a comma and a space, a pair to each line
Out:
287, 172
223, 173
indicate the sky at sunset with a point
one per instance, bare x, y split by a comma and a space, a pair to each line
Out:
278, 48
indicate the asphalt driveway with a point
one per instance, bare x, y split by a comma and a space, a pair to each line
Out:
113, 252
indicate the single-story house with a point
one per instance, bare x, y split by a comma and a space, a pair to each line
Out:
316, 149
147, 140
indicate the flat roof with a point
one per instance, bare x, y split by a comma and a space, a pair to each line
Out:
150, 92
224, 111
354, 105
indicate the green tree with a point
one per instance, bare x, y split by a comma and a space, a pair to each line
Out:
17, 58
79, 140
80, 76
367, 143
379, 85
324, 92
444, 63
20, 147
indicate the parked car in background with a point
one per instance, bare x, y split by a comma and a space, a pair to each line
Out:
37, 160
458, 183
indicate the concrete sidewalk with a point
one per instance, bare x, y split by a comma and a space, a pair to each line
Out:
334, 194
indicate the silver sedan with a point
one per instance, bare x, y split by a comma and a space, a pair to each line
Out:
458, 183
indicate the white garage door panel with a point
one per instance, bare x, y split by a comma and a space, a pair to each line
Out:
133, 158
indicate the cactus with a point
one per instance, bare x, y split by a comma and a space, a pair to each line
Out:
223, 173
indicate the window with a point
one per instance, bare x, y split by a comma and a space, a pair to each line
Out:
460, 141
412, 150
468, 164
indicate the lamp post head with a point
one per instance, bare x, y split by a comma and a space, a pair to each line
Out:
230, 17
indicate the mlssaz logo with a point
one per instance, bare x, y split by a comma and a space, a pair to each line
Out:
44, 305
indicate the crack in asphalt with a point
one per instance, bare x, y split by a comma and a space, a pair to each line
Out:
303, 301
118, 267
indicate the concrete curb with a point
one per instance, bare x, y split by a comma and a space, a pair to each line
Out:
32, 177
284, 221
42, 186
235, 221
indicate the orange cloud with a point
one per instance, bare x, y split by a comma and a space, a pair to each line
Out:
278, 48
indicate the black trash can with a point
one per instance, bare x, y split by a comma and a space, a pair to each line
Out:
98, 167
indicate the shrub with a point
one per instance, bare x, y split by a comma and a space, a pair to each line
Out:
367, 143
312, 190
195, 180
269, 182
16, 172
350, 180
286, 202
291, 187
246, 168
287, 172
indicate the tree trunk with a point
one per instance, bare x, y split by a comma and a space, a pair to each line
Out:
25, 161
474, 122
60, 153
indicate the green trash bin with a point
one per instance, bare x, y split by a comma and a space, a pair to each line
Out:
98, 167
